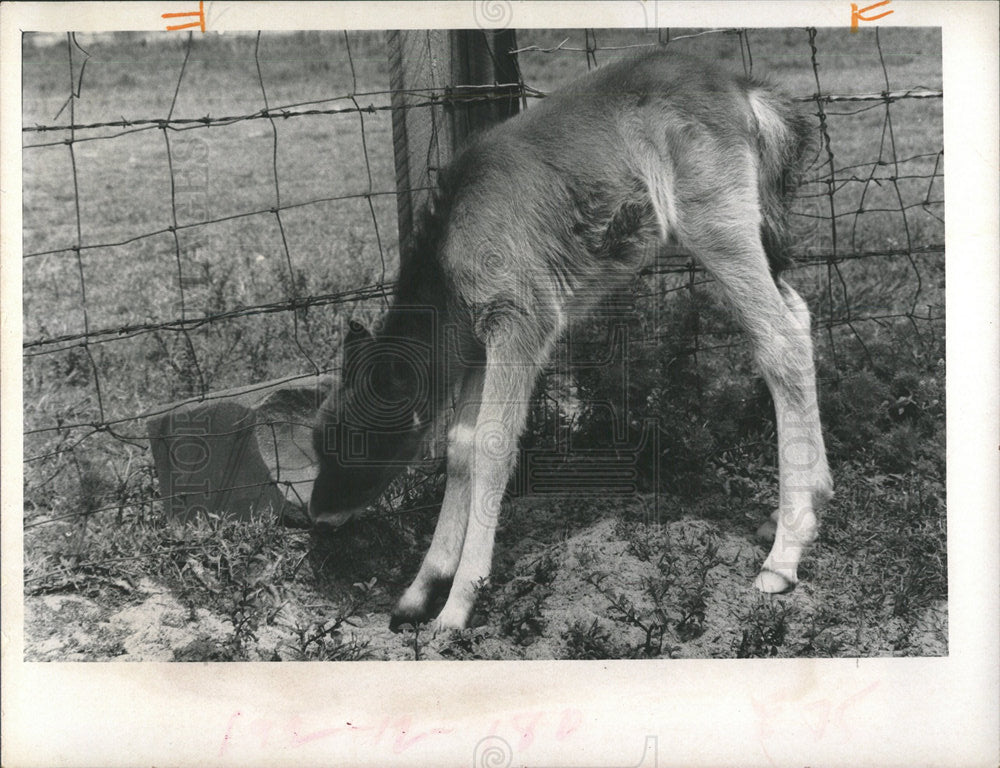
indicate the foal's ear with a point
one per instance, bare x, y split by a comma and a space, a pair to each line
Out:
355, 342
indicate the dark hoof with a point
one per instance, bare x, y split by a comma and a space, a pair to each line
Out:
400, 620
421, 607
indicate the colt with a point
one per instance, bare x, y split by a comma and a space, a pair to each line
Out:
533, 222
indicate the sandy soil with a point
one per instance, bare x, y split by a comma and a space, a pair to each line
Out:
583, 574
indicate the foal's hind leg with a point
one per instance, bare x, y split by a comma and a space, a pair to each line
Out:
437, 571
824, 489
777, 322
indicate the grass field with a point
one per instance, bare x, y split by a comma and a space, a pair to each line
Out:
577, 576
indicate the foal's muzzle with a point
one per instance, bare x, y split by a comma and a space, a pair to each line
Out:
328, 522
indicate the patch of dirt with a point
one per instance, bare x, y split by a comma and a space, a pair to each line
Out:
596, 550
78, 628
571, 581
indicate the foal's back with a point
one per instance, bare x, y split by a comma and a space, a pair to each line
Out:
557, 205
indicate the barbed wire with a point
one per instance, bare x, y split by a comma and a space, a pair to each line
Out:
461, 95
102, 411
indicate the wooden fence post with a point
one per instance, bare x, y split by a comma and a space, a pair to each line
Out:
450, 69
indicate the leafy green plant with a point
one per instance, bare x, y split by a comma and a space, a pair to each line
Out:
764, 628
326, 641
622, 608
589, 642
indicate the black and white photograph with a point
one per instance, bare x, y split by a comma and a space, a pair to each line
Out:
490, 341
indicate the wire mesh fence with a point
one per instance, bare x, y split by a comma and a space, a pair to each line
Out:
201, 213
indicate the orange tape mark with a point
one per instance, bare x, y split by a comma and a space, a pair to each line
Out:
858, 15
200, 13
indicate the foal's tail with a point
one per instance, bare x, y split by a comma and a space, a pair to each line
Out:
784, 139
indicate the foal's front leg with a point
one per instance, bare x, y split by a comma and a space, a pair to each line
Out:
438, 568
502, 418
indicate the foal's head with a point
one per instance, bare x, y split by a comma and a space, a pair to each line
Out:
370, 426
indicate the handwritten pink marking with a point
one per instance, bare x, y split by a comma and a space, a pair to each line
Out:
570, 721
527, 729
403, 741
228, 735
264, 727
